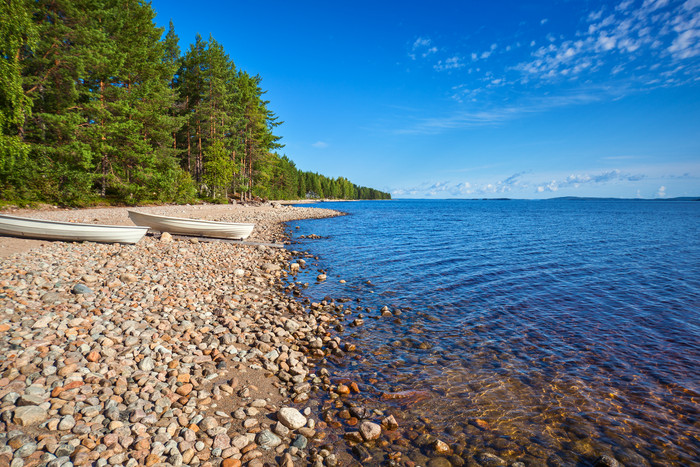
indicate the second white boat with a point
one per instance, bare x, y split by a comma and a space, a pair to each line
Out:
184, 226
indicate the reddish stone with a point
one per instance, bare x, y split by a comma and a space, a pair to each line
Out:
93, 356
185, 389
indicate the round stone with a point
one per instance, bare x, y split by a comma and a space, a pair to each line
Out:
291, 418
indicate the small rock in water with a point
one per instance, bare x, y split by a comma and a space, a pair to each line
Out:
491, 460
606, 461
441, 447
439, 462
370, 431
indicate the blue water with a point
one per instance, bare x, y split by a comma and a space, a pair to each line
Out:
531, 329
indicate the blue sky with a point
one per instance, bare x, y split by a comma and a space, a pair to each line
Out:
472, 99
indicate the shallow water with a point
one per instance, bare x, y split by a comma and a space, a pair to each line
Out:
532, 329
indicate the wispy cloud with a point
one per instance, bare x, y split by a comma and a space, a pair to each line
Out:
576, 180
451, 189
320, 145
617, 50
422, 47
498, 115
526, 184
640, 39
452, 63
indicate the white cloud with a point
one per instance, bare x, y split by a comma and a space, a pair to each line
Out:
451, 63
495, 116
465, 188
577, 180
421, 42
422, 46
320, 145
654, 36
662, 192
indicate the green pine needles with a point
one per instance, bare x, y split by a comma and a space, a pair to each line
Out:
98, 106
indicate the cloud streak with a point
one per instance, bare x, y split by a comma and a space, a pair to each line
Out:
576, 180
617, 50
498, 115
520, 183
637, 39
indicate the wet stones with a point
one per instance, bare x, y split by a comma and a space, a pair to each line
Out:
370, 431
491, 460
606, 461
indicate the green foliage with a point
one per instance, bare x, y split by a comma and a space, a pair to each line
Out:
218, 170
98, 105
17, 34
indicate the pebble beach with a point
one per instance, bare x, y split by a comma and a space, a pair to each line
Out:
167, 352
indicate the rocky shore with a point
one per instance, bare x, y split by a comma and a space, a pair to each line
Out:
167, 352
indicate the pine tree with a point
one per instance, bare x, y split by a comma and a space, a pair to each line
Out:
18, 35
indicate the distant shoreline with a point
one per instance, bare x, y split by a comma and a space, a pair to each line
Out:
561, 198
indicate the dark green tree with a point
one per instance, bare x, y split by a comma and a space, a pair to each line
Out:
18, 36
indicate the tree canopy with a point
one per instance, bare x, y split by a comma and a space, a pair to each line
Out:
97, 104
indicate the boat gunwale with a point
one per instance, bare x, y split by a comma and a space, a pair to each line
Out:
72, 224
196, 221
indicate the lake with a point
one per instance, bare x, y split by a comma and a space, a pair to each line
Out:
550, 332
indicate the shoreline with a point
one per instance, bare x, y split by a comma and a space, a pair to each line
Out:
180, 352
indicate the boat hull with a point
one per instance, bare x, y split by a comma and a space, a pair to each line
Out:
68, 231
183, 226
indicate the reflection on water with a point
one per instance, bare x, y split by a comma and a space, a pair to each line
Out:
539, 331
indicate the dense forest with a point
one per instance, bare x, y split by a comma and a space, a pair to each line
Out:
98, 105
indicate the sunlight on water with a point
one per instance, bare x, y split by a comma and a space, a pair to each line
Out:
530, 329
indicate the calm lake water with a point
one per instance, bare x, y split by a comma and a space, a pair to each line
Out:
546, 331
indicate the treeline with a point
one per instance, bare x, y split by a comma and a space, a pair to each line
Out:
96, 104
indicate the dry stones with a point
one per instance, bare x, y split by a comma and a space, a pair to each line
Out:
29, 415
127, 370
80, 289
291, 418
267, 439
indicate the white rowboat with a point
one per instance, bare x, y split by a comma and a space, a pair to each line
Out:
69, 231
183, 226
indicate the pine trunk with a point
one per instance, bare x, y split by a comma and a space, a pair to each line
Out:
103, 190
189, 139
198, 165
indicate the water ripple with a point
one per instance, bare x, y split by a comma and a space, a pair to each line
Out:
551, 322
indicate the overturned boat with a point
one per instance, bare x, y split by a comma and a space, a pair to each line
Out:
184, 226
42, 229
